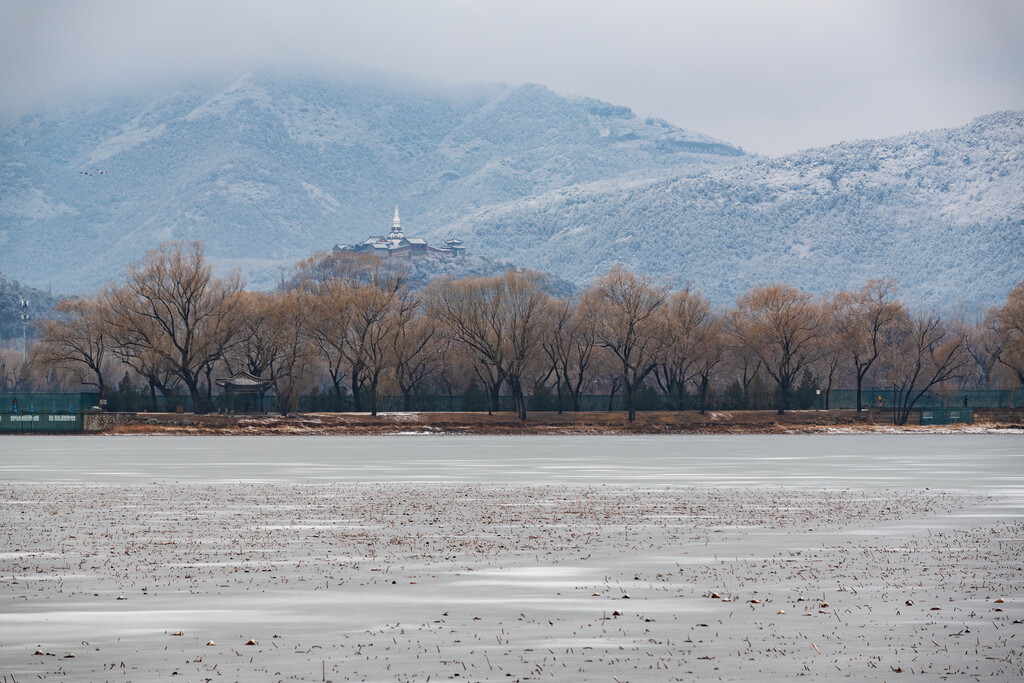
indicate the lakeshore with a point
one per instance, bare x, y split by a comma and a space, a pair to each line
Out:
540, 423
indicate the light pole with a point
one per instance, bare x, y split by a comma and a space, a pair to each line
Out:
24, 327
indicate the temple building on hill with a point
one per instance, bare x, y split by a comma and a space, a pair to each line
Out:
395, 243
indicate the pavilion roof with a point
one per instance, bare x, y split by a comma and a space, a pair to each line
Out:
242, 380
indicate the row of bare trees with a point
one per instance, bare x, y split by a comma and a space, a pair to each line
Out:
352, 323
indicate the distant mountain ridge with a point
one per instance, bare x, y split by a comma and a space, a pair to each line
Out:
942, 211
268, 168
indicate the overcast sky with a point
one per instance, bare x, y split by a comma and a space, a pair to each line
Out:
770, 76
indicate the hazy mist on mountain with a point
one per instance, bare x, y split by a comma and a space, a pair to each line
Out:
941, 211
267, 168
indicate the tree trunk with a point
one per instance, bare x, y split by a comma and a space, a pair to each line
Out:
630, 403
336, 381
192, 384
282, 401
903, 412
209, 386
860, 382
337, 395
783, 397
575, 393
494, 396
520, 400
373, 396
357, 398
611, 396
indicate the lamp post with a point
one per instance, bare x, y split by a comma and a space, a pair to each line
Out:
24, 327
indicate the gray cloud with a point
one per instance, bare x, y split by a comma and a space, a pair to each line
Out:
772, 77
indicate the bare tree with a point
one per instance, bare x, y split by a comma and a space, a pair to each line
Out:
355, 295
127, 337
630, 327
10, 363
417, 351
742, 364
288, 322
984, 344
686, 315
322, 270
328, 332
922, 352
158, 375
501, 319
256, 346
861, 320
379, 312
709, 354
525, 309
571, 345
831, 349
173, 307
77, 341
1006, 323
780, 325
16, 372
468, 309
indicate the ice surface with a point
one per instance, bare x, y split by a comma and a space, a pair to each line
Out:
566, 558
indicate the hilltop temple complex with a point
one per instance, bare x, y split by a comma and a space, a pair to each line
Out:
395, 243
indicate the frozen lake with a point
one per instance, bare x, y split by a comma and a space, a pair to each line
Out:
979, 461
505, 558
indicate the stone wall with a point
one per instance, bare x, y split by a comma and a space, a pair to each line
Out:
999, 415
99, 421
882, 416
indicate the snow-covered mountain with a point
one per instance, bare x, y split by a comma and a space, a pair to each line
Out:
941, 211
269, 168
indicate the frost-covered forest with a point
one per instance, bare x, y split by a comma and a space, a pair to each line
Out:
268, 168
942, 212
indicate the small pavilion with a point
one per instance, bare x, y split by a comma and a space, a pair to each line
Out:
247, 389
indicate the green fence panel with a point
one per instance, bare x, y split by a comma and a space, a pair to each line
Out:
976, 398
25, 402
23, 423
945, 416
24, 412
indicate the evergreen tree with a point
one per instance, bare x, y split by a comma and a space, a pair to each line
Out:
473, 398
